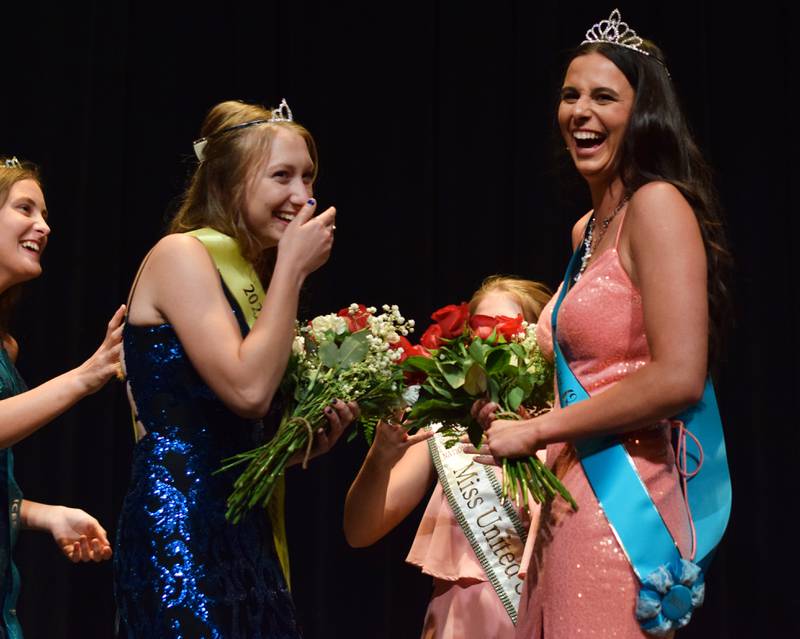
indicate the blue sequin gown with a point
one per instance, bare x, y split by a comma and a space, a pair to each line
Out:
181, 570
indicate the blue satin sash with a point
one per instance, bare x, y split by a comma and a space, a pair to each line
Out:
619, 489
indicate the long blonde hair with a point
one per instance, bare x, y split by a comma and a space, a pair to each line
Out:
10, 174
530, 295
217, 192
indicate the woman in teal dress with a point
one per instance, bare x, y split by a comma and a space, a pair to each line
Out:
23, 237
205, 350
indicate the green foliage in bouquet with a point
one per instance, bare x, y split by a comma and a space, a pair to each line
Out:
351, 356
482, 357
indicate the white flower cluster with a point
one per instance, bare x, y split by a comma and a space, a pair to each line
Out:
321, 324
299, 346
379, 363
528, 338
384, 331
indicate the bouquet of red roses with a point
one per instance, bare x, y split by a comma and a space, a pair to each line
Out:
474, 357
352, 355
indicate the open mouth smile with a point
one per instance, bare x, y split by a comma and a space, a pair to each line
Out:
284, 216
588, 140
30, 245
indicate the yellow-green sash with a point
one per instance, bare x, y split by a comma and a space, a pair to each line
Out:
243, 283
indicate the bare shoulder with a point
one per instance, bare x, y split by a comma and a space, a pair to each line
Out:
579, 229
658, 206
179, 256
178, 268
11, 346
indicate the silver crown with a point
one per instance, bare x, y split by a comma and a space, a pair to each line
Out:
615, 31
282, 114
12, 163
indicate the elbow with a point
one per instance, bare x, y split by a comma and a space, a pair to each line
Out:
686, 391
355, 534
249, 404
250, 407
355, 539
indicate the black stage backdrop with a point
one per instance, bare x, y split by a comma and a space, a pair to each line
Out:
435, 126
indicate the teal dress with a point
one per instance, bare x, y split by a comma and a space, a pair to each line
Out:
10, 384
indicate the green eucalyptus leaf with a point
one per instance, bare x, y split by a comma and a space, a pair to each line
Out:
329, 354
354, 349
475, 381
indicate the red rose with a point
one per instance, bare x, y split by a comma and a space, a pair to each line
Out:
482, 325
409, 350
432, 338
355, 320
508, 327
452, 319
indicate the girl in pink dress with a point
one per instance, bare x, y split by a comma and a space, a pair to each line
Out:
396, 476
637, 328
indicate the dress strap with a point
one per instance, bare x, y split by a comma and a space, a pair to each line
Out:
621, 222
136, 281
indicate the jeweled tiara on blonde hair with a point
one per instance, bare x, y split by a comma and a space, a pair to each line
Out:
282, 114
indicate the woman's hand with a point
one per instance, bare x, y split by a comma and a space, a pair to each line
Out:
392, 441
339, 415
307, 240
484, 412
79, 535
503, 438
104, 364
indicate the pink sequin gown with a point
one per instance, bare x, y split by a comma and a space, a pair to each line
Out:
579, 583
464, 604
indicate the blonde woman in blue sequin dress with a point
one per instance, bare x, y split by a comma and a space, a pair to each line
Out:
203, 381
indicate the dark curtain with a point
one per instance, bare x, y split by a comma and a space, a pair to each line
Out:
435, 127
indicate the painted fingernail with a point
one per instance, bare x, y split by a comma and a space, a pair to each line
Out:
334, 402
328, 410
311, 202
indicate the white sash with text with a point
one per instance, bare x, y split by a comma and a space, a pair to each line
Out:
492, 526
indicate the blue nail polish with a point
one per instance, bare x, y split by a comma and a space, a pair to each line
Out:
311, 202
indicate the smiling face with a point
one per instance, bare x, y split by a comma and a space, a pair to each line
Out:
23, 233
595, 106
280, 187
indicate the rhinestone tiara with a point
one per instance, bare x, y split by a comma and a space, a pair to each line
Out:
615, 31
281, 114
12, 163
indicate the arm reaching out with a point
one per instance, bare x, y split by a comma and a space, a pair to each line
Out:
23, 414
390, 484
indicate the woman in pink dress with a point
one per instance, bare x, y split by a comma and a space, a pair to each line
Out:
396, 476
637, 328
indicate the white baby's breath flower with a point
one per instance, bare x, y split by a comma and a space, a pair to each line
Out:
299, 346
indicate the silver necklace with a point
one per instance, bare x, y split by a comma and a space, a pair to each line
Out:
588, 241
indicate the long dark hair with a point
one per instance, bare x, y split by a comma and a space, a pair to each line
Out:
658, 146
